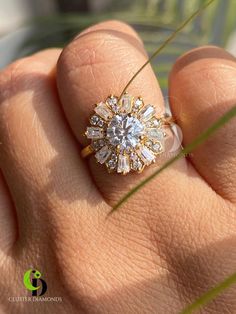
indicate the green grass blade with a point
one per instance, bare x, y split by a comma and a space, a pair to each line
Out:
167, 41
188, 149
210, 295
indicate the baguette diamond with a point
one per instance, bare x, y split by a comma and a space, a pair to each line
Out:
146, 155
126, 103
123, 164
155, 134
103, 154
94, 133
147, 113
103, 111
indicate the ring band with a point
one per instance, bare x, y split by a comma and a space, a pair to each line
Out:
126, 135
87, 151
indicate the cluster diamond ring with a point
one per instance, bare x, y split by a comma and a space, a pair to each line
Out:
126, 135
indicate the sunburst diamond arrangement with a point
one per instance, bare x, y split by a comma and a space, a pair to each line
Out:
126, 134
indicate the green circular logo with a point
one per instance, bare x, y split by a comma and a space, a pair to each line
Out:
31, 273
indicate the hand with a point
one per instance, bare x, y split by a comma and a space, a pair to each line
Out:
172, 241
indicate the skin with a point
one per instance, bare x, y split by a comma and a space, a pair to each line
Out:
168, 244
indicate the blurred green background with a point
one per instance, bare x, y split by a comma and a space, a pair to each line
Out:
55, 22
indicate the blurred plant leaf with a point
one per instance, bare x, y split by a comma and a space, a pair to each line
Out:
210, 295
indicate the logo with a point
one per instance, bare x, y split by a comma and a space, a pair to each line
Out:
33, 282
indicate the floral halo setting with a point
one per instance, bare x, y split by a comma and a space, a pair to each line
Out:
126, 135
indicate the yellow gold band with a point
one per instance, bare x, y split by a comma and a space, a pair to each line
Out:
87, 151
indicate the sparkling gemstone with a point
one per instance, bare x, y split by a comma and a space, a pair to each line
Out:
126, 103
125, 134
94, 120
103, 154
125, 131
100, 123
103, 111
147, 113
156, 122
156, 147
112, 101
146, 155
112, 163
136, 163
114, 156
133, 156
155, 134
123, 164
94, 133
138, 103
153, 123
97, 144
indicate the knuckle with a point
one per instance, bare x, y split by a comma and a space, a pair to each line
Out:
110, 25
10, 77
203, 58
21, 75
13, 68
105, 43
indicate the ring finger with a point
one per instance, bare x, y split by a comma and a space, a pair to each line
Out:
97, 63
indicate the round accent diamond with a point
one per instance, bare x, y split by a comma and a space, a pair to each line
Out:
138, 104
136, 163
113, 103
111, 164
157, 147
124, 131
98, 144
153, 123
94, 120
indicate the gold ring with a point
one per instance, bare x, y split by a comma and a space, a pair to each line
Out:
126, 135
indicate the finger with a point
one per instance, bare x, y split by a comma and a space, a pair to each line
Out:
97, 63
203, 81
8, 226
39, 156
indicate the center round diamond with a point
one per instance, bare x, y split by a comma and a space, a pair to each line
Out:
125, 131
